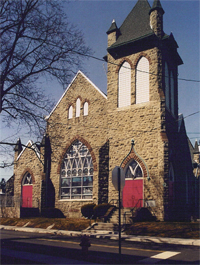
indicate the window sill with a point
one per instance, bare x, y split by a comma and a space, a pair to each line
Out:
74, 200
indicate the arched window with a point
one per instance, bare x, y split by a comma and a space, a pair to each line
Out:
133, 170
142, 81
77, 173
85, 109
78, 107
27, 179
167, 99
124, 93
70, 112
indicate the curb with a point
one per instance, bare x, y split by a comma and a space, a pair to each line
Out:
107, 235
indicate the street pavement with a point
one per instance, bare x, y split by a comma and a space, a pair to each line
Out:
107, 235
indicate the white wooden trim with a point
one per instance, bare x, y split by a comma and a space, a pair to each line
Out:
79, 72
33, 146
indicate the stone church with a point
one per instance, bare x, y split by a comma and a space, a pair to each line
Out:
135, 126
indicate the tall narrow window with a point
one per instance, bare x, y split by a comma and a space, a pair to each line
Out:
142, 81
172, 92
167, 101
76, 176
85, 109
124, 93
78, 107
70, 112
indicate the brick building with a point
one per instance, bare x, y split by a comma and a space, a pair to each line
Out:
89, 133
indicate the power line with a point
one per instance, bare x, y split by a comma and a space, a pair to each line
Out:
102, 60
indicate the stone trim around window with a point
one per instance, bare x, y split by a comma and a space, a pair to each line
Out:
23, 175
131, 156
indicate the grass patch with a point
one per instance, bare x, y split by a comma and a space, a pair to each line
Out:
158, 229
165, 229
70, 224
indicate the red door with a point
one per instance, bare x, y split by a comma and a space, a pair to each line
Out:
27, 196
133, 193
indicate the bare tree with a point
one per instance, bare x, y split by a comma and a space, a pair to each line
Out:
36, 41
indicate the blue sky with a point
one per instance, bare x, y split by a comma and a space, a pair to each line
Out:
94, 18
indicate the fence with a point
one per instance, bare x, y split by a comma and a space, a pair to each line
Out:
13, 201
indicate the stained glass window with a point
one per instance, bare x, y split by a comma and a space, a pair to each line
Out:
77, 173
133, 170
27, 180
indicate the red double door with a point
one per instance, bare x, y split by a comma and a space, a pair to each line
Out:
27, 192
133, 193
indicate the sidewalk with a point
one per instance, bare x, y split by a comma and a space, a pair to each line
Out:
108, 235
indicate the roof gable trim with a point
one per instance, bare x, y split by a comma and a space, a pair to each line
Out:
33, 146
79, 72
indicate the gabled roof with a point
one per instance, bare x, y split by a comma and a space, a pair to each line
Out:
79, 72
136, 25
33, 146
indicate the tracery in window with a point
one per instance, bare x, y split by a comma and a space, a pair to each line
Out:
142, 81
78, 107
27, 180
124, 93
133, 170
85, 109
77, 173
70, 112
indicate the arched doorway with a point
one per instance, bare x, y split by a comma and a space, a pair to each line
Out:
27, 190
133, 189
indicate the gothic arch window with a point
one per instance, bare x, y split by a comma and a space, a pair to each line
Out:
133, 170
76, 177
27, 179
78, 107
124, 89
70, 112
85, 109
142, 81
167, 92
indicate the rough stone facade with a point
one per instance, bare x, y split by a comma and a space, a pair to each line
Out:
29, 160
90, 130
107, 130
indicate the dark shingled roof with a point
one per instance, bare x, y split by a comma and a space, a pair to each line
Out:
157, 5
136, 25
112, 28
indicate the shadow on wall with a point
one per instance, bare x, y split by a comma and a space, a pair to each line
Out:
52, 213
103, 173
143, 215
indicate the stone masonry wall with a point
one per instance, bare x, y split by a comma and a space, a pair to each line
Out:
91, 130
28, 161
141, 122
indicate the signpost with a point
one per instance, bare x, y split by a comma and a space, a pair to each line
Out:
118, 180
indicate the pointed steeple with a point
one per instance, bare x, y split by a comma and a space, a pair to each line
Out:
157, 6
112, 33
156, 18
18, 147
113, 27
